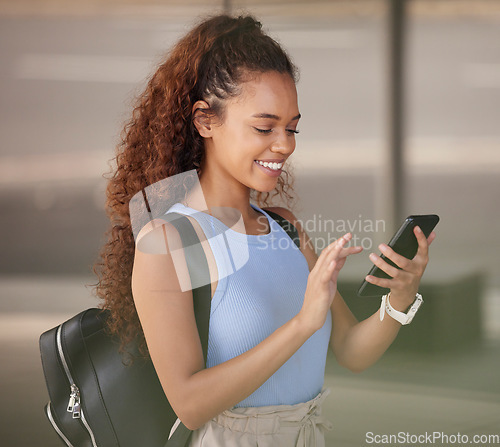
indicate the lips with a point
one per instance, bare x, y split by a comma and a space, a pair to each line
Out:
269, 171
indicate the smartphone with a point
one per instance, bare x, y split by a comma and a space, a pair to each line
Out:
405, 243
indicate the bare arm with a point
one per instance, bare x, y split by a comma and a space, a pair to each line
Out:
167, 317
365, 342
358, 345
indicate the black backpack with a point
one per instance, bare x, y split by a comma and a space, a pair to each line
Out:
96, 400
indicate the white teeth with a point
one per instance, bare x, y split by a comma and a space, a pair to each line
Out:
274, 166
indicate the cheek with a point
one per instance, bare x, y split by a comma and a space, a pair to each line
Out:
248, 147
238, 147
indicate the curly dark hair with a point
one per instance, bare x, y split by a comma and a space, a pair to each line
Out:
160, 140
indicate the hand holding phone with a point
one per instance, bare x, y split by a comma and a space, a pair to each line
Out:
404, 243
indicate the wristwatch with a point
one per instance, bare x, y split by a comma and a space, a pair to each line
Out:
396, 314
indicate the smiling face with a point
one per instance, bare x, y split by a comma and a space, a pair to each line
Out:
257, 133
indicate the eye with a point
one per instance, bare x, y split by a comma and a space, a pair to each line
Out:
263, 131
292, 131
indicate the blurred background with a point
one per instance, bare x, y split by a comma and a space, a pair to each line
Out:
69, 73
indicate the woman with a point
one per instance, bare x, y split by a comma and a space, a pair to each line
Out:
224, 103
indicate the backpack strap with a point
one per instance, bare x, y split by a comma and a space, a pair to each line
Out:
202, 299
287, 226
198, 272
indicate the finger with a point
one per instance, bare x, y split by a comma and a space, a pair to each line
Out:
326, 255
400, 261
341, 252
332, 275
353, 250
327, 274
346, 237
335, 265
431, 237
337, 253
423, 246
338, 245
381, 282
384, 266
345, 252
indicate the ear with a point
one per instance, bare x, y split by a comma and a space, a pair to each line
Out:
202, 122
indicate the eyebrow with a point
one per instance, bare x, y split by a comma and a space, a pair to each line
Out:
273, 117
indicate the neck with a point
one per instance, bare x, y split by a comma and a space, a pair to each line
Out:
219, 191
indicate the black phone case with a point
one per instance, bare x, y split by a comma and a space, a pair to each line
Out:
404, 242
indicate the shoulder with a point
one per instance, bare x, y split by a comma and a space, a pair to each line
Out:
161, 236
162, 229
306, 244
156, 235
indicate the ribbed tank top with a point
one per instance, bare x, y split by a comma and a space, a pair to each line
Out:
262, 280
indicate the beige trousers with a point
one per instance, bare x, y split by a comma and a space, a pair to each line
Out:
299, 425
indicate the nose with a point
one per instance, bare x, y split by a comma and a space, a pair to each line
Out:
284, 143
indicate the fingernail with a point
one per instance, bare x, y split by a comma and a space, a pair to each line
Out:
419, 230
382, 247
373, 256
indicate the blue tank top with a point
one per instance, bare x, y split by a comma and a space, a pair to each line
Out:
261, 285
